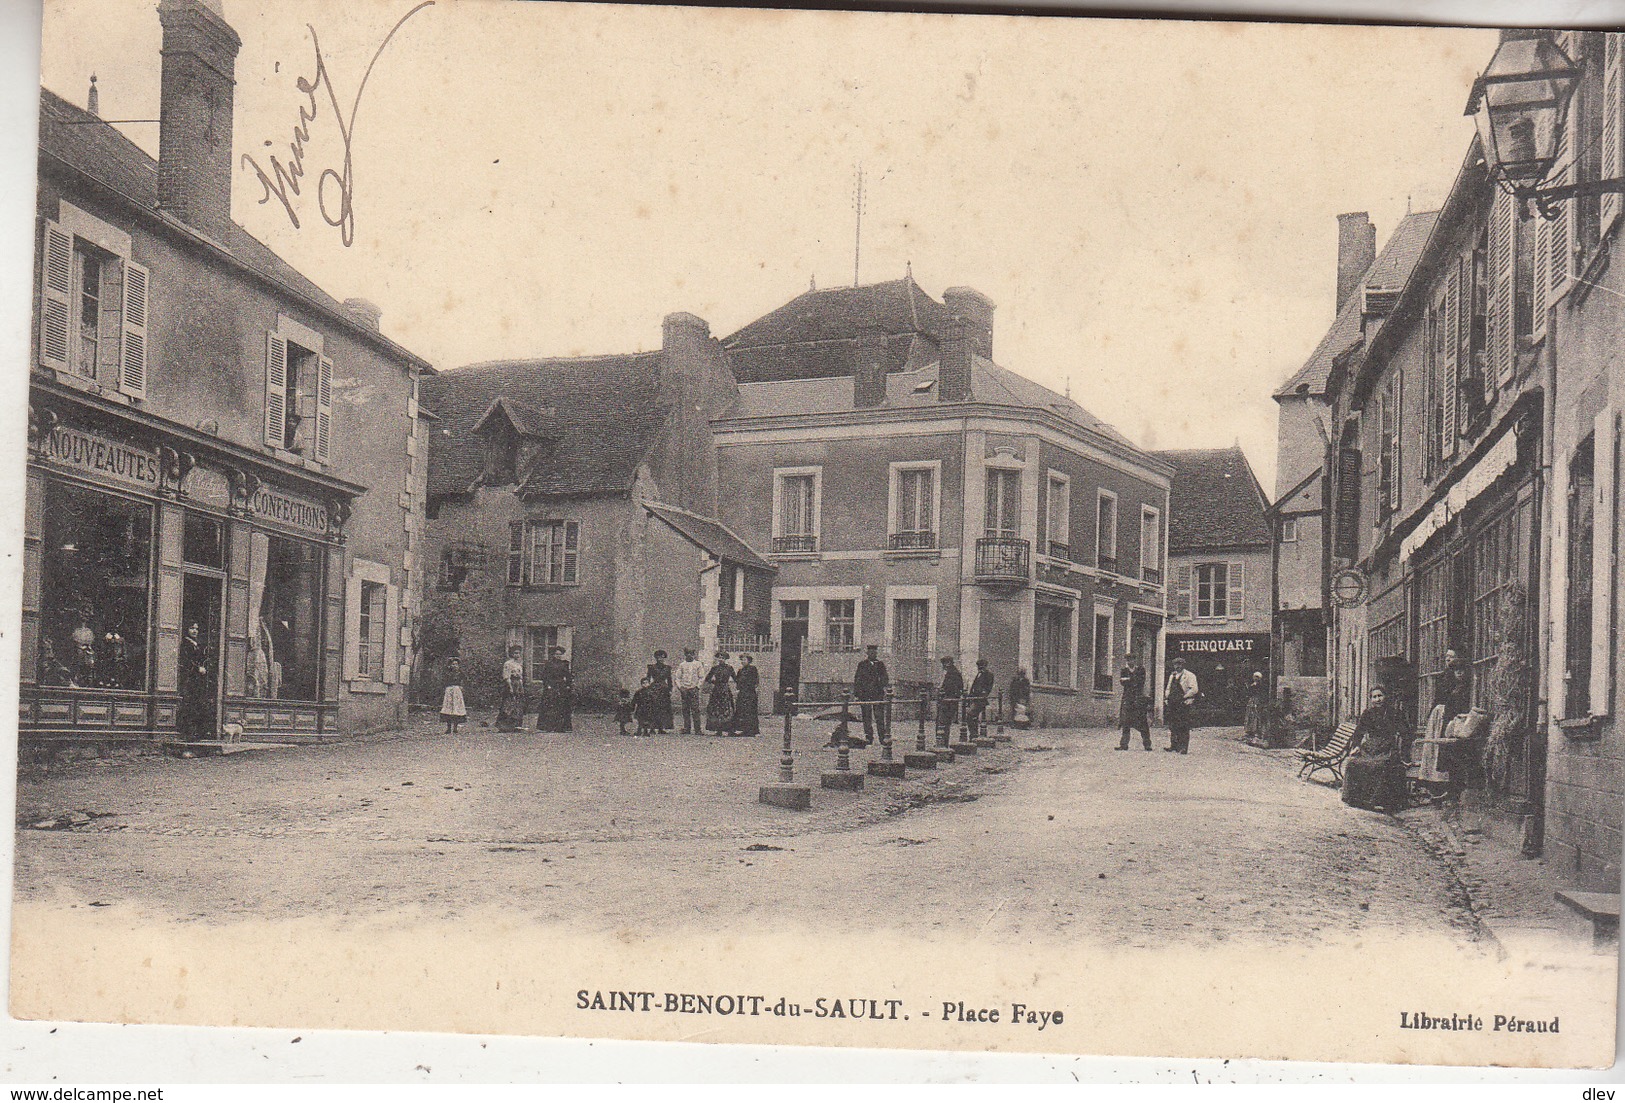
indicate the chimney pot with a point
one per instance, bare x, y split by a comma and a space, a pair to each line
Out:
976, 309
1356, 252
869, 372
954, 364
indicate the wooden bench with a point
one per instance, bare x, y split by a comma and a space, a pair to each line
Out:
1329, 757
1602, 909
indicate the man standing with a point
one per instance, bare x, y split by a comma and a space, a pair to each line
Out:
1134, 710
948, 695
1177, 702
869, 687
689, 677
558, 692
981, 688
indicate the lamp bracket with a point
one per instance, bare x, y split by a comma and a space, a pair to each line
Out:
1546, 200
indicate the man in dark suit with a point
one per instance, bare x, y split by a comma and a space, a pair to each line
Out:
981, 688
948, 696
869, 687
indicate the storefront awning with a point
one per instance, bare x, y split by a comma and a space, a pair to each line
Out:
1495, 463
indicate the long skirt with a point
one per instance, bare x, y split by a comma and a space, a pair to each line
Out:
553, 712
510, 710
719, 709
1257, 723
745, 719
660, 707
1374, 783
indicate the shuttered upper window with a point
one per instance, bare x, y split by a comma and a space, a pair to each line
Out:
93, 304
298, 391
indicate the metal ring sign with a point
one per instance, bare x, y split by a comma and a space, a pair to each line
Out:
1348, 587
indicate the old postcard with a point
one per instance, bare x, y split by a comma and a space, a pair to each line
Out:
873, 529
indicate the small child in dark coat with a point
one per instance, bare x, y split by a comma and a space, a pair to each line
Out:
643, 706
625, 707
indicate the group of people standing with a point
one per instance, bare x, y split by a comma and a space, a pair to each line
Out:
1178, 702
722, 700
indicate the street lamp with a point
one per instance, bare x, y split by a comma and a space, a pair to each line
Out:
1521, 102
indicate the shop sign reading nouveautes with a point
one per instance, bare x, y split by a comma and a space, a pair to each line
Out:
289, 511
101, 458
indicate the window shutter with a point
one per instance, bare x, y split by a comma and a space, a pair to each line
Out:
352, 625
276, 388
392, 636
1542, 292
56, 281
1396, 434
1605, 534
1613, 133
990, 514
1449, 337
516, 553
1560, 230
1182, 592
132, 374
1236, 598
1503, 341
572, 542
1349, 464
324, 409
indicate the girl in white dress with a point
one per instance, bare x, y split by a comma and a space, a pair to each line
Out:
452, 709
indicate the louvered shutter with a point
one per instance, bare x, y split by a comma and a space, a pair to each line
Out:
1561, 229
324, 409
1450, 340
56, 281
276, 389
132, 374
572, 542
1350, 462
516, 553
1605, 453
1503, 350
1613, 128
1182, 592
352, 625
392, 631
1396, 432
1236, 584
1541, 293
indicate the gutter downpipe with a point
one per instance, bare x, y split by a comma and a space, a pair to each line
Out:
1544, 505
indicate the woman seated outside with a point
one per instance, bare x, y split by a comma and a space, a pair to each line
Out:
1374, 775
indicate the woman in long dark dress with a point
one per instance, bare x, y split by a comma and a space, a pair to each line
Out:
1374, 775
719, 701
511, 704
748, 679
558, 692
659, 675
195, 717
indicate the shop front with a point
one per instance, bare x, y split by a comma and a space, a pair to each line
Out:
173, 589
1224, 664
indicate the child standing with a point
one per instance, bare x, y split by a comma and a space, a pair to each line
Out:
452, 709
646, 705
624, 709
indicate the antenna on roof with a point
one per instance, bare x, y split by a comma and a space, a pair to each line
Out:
93, 102
1068, 395
1407, 203
857, 241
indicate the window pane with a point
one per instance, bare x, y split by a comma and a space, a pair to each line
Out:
1103, 652
204, 541
285, 591
911, 626
93, 618
840, 625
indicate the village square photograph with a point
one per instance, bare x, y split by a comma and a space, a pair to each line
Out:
859, 528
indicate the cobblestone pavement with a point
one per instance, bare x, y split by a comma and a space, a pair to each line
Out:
1055, 834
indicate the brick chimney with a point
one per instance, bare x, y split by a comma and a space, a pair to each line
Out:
195, 114
977, 311
1356, 251
869, 372
954, 364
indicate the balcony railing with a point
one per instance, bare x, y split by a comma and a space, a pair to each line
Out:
1003, 559
1151, 575
795, 545
1107, 563
913, 541
1058, 550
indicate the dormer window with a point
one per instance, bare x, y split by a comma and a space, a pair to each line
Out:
502, 458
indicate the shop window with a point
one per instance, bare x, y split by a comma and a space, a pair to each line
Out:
1052, 632
284, 597
1581, 528
1432, 630
841, 625
1103, 651
95, 598
204, 541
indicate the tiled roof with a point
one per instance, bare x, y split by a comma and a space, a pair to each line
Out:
525, 418
613, 418
1215, 501
811, 335
95, 148
1389, 271
914, 388
709, 534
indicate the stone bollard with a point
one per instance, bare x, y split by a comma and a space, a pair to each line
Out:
786, 794
842, 777
998, 732
964, 746
943, 752
885, 767
921, 758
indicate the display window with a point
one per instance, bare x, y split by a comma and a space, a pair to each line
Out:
284, 601
96, 587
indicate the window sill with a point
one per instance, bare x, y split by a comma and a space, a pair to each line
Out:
794, 557
544, 587
1581, 730
366, 685
890, 553
1048, 688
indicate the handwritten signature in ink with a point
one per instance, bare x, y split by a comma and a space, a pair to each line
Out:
283, 180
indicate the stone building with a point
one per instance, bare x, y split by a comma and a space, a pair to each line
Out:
573, 503
915, 495
213, 441
1367, 283
1220, 566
